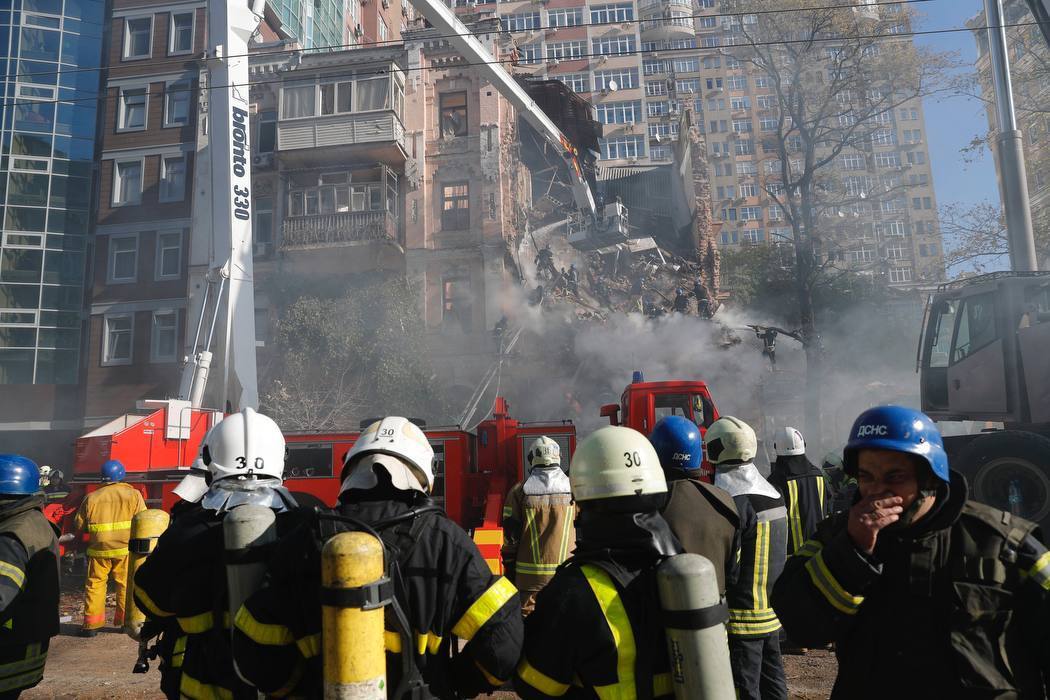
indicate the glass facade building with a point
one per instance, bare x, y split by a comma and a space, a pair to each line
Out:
50, 61
315, 23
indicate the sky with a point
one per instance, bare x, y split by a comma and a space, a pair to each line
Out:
952, 121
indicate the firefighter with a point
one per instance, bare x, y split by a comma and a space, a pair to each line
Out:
446, 591
536, 296
28, 577
919, 587
572, 278
545, 263
596, 628
538, 515
185, 577
105, 515
754, 642
681, 302
843, 486
53, 484
703, 517
801, 484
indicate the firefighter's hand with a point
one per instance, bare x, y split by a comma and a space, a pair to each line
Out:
870, 515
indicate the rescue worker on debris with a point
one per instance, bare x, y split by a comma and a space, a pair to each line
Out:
918, 586
185, 576
545, 263
596, 628
536, 296
28, 577
681, 302
105, 515
754, 642
703, 517
572, 277
441, 584
801, 484
538, 515
53, 483
843, 486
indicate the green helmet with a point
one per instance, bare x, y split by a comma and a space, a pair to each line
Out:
613, 462
730, 440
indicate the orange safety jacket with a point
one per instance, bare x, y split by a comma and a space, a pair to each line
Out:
105, 515
538, 528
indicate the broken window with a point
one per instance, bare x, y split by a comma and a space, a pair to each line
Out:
456, 303
455, 206
454, 114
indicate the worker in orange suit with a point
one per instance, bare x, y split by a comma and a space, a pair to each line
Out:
105, 515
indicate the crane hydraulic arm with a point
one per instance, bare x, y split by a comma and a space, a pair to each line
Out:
594, 226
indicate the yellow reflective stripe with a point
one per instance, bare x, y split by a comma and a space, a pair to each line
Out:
196, 624
832, 591
539, 680
620, 627
492, 680
433, 643
662, 685
1040, 571
810, 548
195, 690
309, 646
820, 497
759, 594
109, 527
794, 518
507, 512
532, 533
24, 672
742, 629
148, 603
178, 651
261, 632
565, 537
752, 615
108, 553
482, 609
536, 569
14, 573
392, 641
421, 644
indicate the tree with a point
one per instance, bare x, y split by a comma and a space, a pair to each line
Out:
976, 236
345, 357
835, 76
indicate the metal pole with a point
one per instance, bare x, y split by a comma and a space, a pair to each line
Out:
1013, 183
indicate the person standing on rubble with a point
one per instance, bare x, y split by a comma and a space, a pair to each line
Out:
538, 515
703, 517
681, 301
925, 593
545, 263
801, 484
29, 580
596, 629
754, 630
105, 515
573, 279
447, 594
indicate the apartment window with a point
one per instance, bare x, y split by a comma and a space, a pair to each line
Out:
625, 79
862, 255
267, 141
900, 274
686, 65
620, 112
565, 50
775, 213
889, 159
729, 214
655, 88
123, 258
577, 82
520, 22
127, 182
752, 235
454, 114
748, 189
853, 161
164, 336
138, 37
116, 341
457, 302
613, 45
529, 54
914, 158
169, 255
895, 252
335, 196
652, 66
737, 82
884, 137
744, 147
455, 206
172, 178
656, 109
565, 18
298, 100
177, 104
181, 32
262, 221
660, 152
132, 113
623, 147
611, 14
741, 126
766, 101
750, 213
384, 31
691, 85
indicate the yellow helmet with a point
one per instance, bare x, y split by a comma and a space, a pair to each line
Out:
615, 461
730, 440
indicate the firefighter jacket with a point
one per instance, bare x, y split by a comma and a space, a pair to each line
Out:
596, 630
105, 515
538, 530
28, 591
806, 497
705, 520
955, 606
56, 491
441, 583
184, 579
762, 550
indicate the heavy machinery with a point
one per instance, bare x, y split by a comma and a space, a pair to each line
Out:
985, 356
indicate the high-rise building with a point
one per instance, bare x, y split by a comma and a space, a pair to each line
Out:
50, 60
313, 23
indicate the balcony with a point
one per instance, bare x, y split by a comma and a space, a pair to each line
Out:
656, 7
374, 136
341, 243
667, 28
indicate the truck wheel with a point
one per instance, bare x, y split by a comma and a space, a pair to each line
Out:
1007, 469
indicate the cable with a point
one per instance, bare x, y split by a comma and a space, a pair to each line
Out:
508, 61
336, 47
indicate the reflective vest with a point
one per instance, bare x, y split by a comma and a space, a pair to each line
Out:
538, 529
106, 516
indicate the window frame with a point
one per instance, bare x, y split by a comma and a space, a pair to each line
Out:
114, 202
111, 266
154, 356
170, 88
172, 51
106, 359
443, 97
445, 198
122, 110
167, 199
125, 54
158, 264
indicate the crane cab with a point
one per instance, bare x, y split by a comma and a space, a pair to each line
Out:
610, 227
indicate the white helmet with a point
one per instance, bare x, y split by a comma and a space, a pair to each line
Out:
730, 440
544, 452
45, 475
398, 446
195, 484
833, 460
615, 461
788, 442
245, 444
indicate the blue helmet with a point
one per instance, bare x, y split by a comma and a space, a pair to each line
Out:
678, 443
898, 429
113, 471
19, 476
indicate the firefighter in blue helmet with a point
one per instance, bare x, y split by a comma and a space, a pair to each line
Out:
919, 587
703, 517
28, 577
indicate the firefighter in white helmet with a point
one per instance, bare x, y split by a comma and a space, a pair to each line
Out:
185, 576
801, 484
445, 592
753, 626
538, 515
602, 606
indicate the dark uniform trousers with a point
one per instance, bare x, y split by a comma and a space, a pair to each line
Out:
955, 606
762, 653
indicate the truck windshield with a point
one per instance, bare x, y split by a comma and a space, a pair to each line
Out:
942, 323
691, 406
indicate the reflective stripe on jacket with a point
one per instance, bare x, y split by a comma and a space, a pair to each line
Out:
106, 516
764, 542
538, 534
